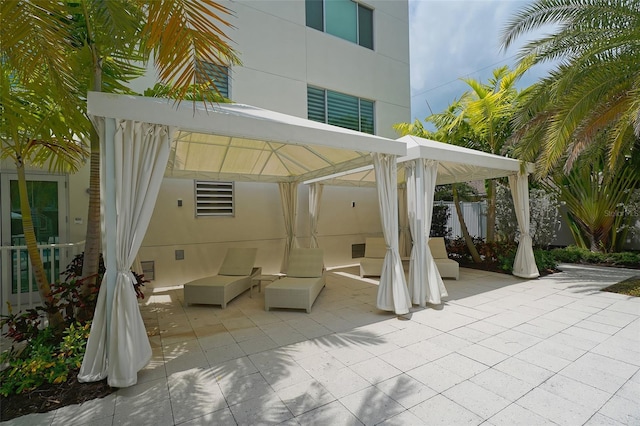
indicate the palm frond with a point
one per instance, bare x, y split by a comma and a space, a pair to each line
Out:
184, 33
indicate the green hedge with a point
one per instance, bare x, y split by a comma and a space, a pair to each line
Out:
573, 254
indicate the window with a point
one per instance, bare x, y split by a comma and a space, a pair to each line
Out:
340, 109
342, 18
206, 71
214, 198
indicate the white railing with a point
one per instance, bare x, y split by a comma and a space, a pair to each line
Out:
474, 214
16, 274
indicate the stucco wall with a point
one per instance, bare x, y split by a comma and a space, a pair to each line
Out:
258, 222
281, 56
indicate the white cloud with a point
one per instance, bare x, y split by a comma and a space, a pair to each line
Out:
454, 39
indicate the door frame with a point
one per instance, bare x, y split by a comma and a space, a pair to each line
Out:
5, 224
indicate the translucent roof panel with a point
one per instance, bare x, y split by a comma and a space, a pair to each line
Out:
455, 164
242, 142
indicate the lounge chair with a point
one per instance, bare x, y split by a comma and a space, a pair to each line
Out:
375, 249
302, 284
236, 275
448, 268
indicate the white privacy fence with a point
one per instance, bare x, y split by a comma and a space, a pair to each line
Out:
475, 216
16, 274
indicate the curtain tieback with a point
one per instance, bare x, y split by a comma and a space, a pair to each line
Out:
127, 274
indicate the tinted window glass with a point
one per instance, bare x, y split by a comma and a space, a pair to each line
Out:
313, 10
316, 105
218, 74
342, 110
366, 116
365, 27
341, 19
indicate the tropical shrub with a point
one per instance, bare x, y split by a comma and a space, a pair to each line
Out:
40, 354
44, 360
439, 220
573, 254
545, 261
544, 216
498, 255
74, 272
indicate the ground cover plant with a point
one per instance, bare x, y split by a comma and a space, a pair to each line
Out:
574, 254
39, 371
497, 256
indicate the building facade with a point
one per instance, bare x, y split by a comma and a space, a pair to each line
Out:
337, 61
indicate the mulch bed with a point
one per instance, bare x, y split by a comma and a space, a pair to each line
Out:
630, 287
50, 397
490, 267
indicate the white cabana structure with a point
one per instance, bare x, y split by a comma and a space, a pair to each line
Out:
144, 139
427, 164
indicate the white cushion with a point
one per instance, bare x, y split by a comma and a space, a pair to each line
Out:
375, 248
305, 263
437, 247
238, 261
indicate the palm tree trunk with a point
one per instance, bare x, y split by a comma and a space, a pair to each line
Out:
93, 238
465, 232
491, 210
55, 318
93, 243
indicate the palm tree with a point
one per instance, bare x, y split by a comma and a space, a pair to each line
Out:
481, 119
445, 132
109, 43
34, 130
593, 195
594, 89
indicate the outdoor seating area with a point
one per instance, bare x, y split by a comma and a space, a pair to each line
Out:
376, 249
501, 350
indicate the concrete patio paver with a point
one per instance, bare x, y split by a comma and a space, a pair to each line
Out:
499, 351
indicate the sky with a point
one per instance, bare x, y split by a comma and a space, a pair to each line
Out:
453, 39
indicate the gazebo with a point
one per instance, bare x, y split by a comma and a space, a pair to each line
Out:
429, 163
145, 139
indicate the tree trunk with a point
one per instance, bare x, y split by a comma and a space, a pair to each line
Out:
93, 240
465, 232
491, 210
55, 318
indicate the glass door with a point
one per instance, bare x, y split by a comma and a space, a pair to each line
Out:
47, 198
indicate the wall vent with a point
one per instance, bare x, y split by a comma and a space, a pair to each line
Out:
357, 250
214, 198
148, 269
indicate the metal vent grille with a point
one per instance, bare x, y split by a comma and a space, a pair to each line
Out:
357, 250
214, 198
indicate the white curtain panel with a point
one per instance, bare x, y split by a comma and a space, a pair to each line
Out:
315, 195
289, 199
425, 282
403, 222
393, 294
524, 265
119, 349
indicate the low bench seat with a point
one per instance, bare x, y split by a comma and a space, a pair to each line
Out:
448, 268
234, 278
302, 284
375, 249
